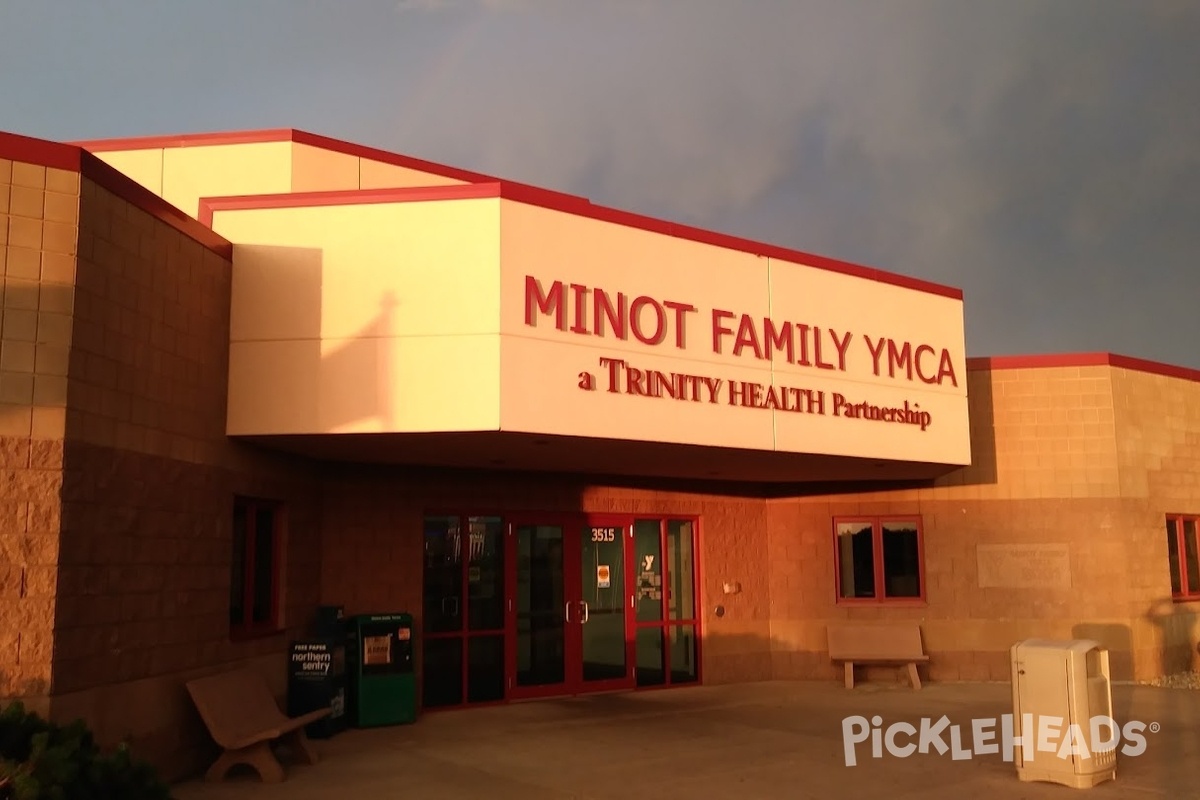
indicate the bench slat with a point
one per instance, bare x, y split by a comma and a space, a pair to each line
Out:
243, 717
901, 660
897, 643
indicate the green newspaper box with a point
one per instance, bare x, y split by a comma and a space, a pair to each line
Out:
382, 685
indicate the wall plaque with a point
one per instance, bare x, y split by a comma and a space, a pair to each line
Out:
1024, 566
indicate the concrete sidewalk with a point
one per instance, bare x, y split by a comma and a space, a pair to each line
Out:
764, 740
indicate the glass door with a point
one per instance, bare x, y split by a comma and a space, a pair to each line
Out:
539, 608
667, 625
569, 597
603, 620
464, 624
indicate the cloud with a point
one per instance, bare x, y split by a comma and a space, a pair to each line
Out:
1038, 155
428, 6
1042, 156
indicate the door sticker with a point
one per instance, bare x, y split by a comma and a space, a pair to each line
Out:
649, 581
603, 576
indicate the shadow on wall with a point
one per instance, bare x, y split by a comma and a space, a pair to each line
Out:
1119, 641
354, 378
1177, 625
981, 404
33, 314
299, 355
981, 399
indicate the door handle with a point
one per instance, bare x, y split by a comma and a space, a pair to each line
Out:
567, 611
453, 606
585, 612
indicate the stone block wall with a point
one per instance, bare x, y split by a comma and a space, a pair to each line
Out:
1052, 532
117, 481
39, 209
372, 553
149, 482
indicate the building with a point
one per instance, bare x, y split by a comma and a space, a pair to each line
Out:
244, 375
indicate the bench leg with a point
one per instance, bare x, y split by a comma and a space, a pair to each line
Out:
913, 677
258, 756
849, 668
301, 748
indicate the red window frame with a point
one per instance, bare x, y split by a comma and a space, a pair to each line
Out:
248, 508
876, 522
665, 623
1177, 541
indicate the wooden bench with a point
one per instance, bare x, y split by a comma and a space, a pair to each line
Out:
244, 719
897, 643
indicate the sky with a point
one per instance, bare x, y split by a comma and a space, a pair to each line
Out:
1043, 156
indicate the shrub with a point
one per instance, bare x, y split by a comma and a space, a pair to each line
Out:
41, 760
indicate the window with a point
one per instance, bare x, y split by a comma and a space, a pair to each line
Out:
1183, 553
254, 581
879, 559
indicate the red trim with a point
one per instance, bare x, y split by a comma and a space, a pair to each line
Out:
395, 159
15, 147
134, 193
568, 204
699, 594
665, 624
211, 205
534, 196
186, 140
217, 138
1187, 592
1082, 360
248, 628
574, 524
880, 599
70, 157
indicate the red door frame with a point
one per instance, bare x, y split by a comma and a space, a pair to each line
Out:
576, 521
567, 522
624, 522
463, 632
574, 527
665, 623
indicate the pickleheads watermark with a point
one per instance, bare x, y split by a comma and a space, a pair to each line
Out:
1040, 734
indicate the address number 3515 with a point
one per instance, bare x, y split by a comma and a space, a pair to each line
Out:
604, 534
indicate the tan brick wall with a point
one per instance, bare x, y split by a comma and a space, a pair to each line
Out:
115, 515
1052, 454
372, 546
38, 218
1158, 429
148, 485
1046, 470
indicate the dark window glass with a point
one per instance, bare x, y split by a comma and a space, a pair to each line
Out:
681, 569
647, 543
856, 556
1192, 558
254, 565
901, 560
237, 582
1173, 557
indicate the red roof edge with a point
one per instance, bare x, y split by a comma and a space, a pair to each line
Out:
387, 157
75, 159
343, 197
281, 135
992, 363
186, 140
16, 147
133, 192
584, 208
534, 195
